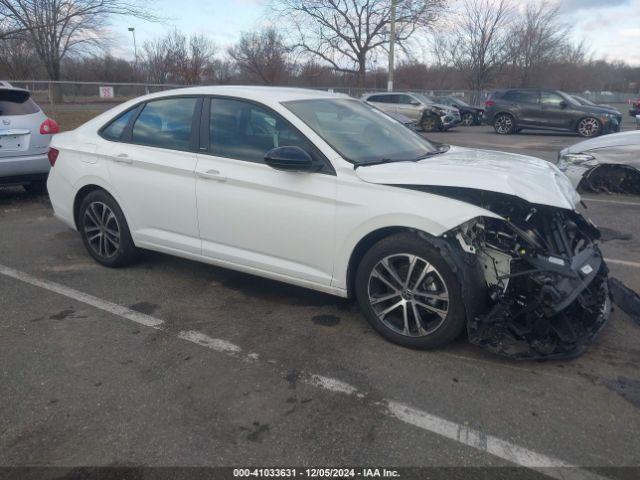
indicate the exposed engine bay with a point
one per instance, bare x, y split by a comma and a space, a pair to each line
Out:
534, 282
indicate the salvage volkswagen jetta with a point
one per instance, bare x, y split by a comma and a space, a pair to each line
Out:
323, 191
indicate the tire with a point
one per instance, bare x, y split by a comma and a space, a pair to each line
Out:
468, 119
504, 124
433, 327
104, 230
36, 186
589, 127
430, 123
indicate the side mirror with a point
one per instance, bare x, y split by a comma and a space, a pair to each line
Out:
563, 104
414, 103
290, 159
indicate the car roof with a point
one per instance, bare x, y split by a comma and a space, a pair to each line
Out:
263, 94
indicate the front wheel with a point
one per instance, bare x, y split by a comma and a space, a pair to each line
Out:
467, 119
430, 123
104, 230
589, 127
409, 294
504, 124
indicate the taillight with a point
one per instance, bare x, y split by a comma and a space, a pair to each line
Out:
489, 103
49, 127
53, 156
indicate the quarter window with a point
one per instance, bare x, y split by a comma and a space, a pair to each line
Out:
165, 123
245, 131
116, 127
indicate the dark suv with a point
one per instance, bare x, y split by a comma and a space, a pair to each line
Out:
510, 111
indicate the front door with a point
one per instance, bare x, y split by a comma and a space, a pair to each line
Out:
253, 215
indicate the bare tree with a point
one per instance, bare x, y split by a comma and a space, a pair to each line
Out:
343, 33
56, 27
537, 39
261, 56
18, 58
155, 59
176, 58
478, 42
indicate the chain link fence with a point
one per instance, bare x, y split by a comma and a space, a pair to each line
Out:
98, 93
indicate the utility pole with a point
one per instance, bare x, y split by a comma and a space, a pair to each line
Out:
392, 41
135, 49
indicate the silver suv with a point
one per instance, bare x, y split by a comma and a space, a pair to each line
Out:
25, 132
427, 114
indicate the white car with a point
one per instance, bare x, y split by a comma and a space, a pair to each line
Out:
610, 163
323, 191
25, 132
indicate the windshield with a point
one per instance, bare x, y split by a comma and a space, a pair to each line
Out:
360, 133
584, 101
16, 102
458, 101
569, 99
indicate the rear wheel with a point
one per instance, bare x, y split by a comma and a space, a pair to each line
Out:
408, 293
36, 186
504, 124
589, 127
104, 230
430, 123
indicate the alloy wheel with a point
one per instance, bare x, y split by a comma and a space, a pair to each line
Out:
408, 295
429, 124
588, 127
503, 124
101, 229
467, 119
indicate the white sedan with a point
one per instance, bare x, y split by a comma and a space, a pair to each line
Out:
323, 191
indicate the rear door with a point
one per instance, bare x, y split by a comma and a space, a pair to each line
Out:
151, 163
20, 120
524, 104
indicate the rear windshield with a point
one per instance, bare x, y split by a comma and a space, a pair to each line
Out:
16, 102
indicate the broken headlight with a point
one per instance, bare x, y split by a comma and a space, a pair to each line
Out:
567, 159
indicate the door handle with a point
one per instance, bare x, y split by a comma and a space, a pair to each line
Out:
212, 175
123, 158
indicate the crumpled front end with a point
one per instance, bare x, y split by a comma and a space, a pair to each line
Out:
545, 281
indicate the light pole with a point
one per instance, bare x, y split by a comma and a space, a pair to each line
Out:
392, 41
135, 49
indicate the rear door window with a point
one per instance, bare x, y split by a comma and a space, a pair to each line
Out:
384, 98
165, 123
16, 102
520, 96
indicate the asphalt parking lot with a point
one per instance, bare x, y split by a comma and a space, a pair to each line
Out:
175, 363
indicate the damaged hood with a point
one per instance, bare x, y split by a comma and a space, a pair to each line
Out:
529, 178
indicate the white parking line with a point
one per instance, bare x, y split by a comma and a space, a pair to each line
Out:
614, 202
626, 263
418, 418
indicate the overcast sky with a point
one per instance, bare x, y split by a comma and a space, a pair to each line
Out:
611, 28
